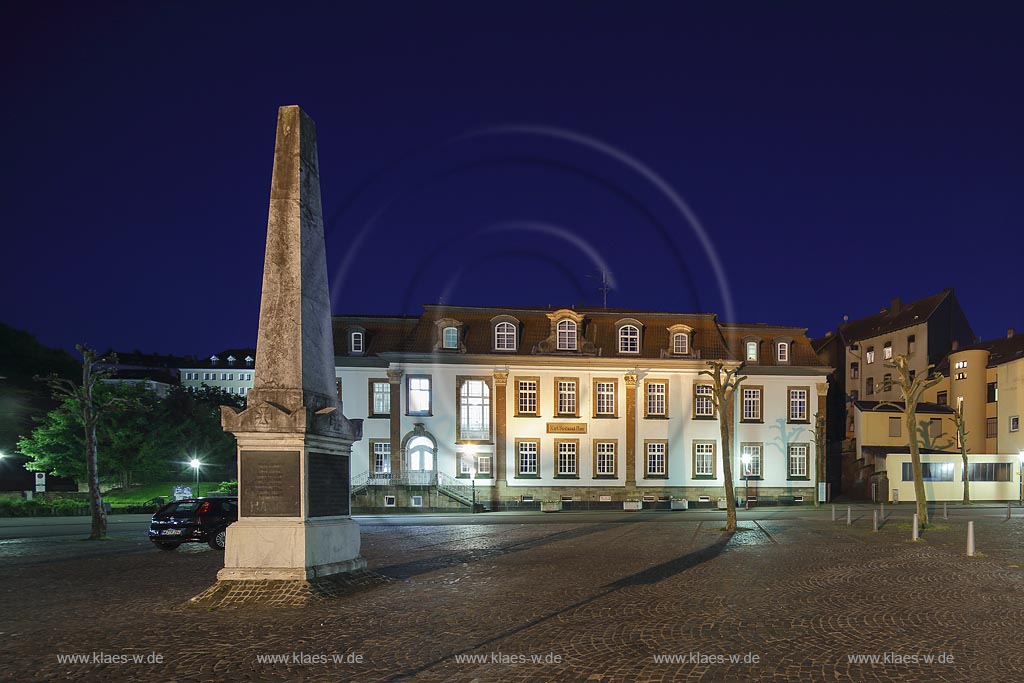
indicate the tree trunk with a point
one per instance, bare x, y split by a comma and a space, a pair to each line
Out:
725, 419
99, 514
915, 459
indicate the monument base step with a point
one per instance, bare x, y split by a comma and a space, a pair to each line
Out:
278, 593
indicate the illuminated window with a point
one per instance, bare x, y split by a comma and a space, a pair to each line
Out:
887, 350
474, 410
381, 457
869, 355
418, 395
752, 350
505, 337
750, 458
566, 333
450, 338
629, 339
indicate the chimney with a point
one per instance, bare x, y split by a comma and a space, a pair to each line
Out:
956, 345
1009, 333
895, 307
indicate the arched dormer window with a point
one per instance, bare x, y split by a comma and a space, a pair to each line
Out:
450, 338
566, 335
680, 343
449, 335
629, 339
356, 340
505, 337
751, 349
783, 350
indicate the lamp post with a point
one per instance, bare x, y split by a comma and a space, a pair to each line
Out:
746, 475
194, 463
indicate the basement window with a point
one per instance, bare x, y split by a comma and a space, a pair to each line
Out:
389, 501
417, 501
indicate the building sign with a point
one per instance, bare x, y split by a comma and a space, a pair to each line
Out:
567, 427
40, 482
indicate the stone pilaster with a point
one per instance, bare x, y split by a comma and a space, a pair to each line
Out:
395, 380
500, 425
630, 381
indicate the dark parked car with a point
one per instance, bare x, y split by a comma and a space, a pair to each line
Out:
200, 520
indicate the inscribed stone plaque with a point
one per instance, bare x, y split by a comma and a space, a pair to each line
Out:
328, 485
269, 484
567, 427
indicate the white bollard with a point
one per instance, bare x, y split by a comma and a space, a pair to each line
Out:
945, 515
874, 524
970, 539
849, 516
833, 513
1008, 514
914, 537
882, 505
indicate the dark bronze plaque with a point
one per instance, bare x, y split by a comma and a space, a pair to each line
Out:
328, 485
269, 484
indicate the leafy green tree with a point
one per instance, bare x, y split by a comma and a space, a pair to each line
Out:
192, 422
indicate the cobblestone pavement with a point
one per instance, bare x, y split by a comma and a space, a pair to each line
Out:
609, 599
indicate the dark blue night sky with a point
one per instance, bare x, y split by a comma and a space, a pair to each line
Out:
485, 156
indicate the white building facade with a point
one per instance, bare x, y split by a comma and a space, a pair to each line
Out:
230, 370
571, 405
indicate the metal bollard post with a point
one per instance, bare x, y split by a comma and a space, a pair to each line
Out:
882, 505
849, 516
833, 513
874, 523
945, 515
914, 537
1008, 514
970, 539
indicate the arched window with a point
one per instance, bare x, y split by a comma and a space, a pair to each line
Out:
504, 337
450, 338
783, 352
751, 351
680, 343
566, 335
629, 339
357, 342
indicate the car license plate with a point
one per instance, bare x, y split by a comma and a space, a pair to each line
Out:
171, 532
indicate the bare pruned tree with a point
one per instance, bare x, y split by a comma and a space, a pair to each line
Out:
820, 443
961, 438
911, 387
725, 380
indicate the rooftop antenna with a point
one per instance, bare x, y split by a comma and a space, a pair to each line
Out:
605, 286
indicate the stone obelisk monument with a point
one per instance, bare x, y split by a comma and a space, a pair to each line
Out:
294, 442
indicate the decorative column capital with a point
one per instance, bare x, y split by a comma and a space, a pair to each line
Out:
501, 378
630, 378
395, 376
822, 388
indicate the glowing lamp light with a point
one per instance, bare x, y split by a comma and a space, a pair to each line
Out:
193, 463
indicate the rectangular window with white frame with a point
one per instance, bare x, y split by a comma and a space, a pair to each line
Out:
704, 460
474, 409
418, 400
798, 397
753, 402
750, 460
566, 397
526, 396
381, 457
380, 398
703, 401
797, 461
1015, 423
528, 458
605, 402
869, 355
656, 404
604, 459
483, 466
567, 454
656, 466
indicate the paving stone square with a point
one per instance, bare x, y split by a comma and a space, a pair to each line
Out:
596, 597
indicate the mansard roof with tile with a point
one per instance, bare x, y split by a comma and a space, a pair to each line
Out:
598, 330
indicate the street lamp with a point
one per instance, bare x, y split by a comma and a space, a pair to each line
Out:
746, 475
194, 463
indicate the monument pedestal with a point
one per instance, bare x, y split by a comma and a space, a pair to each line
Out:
293, 522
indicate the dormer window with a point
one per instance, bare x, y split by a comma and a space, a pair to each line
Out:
505, 336
566, 335
782, 352
450, 338
231, 361
629, 339
356, 342
214, 360
751, 354
248, 361
680, 343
